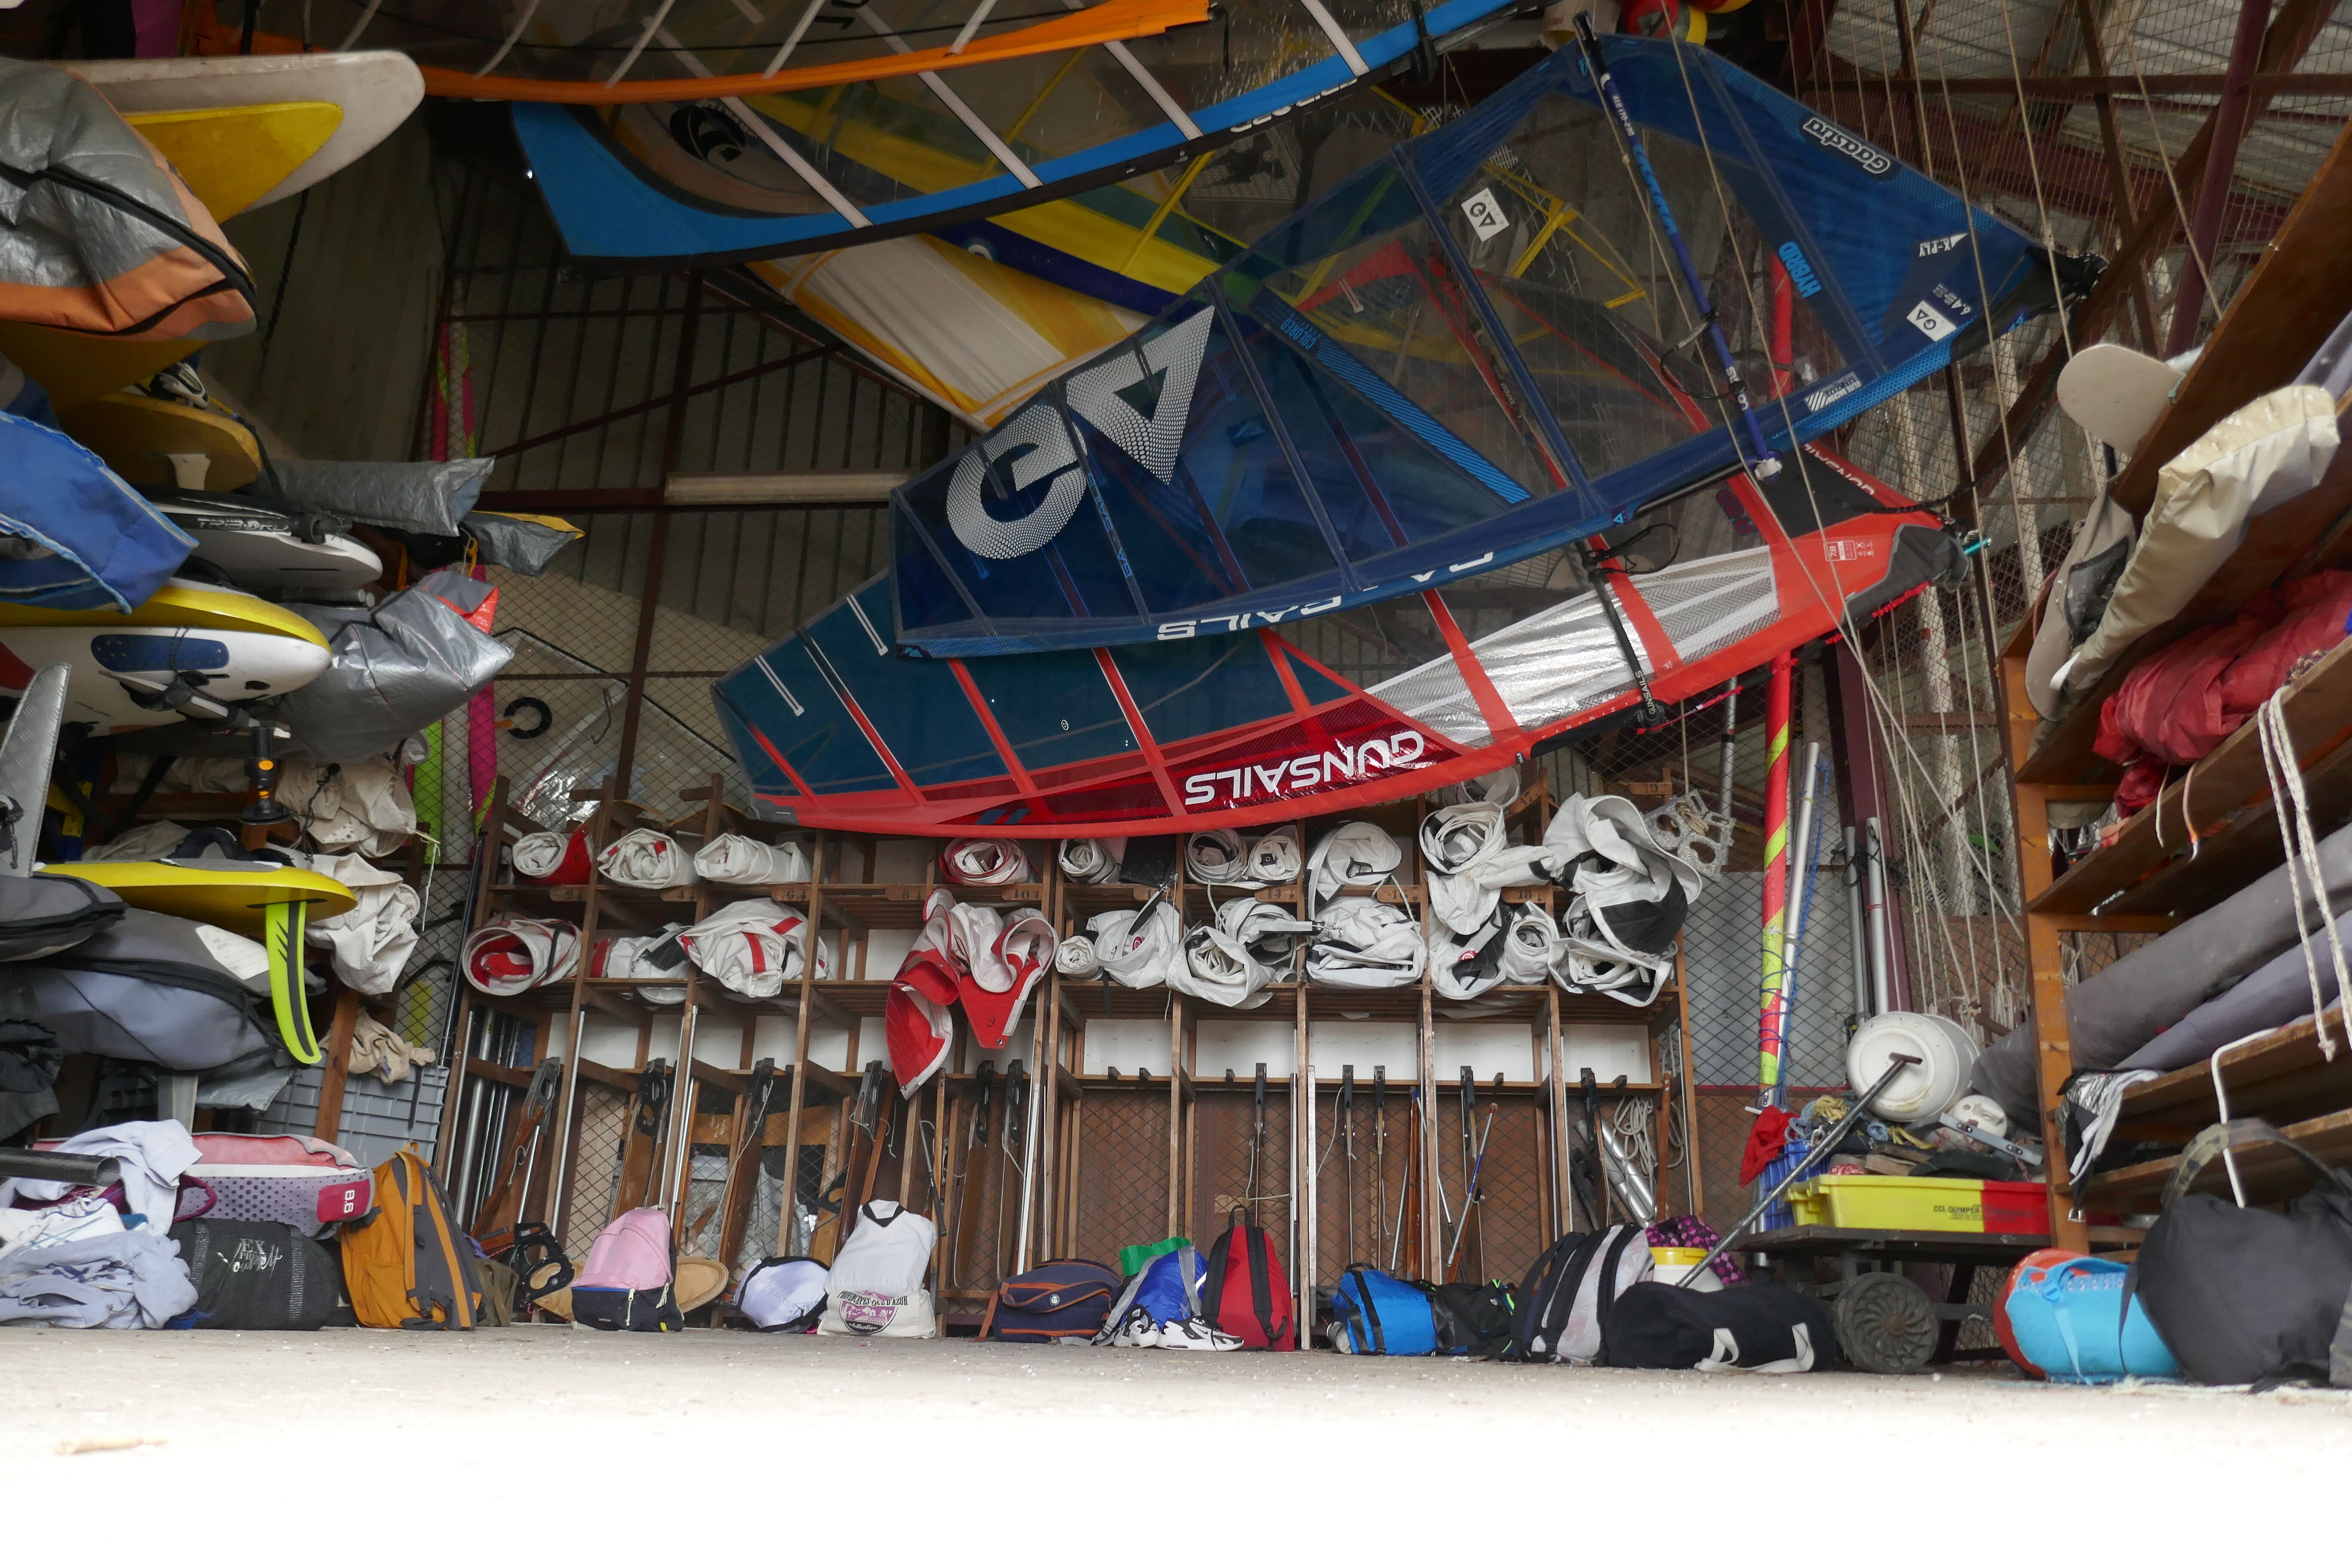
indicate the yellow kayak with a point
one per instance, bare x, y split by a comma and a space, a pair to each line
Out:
227, 893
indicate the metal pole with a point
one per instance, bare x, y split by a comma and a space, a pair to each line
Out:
1873, 866
1801, 870
1776, 870
1729, 761
1857, 937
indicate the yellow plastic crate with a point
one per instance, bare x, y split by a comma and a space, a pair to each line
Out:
1922, 1202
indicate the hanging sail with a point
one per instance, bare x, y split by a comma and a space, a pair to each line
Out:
891, 140
1337, 713
1472, 353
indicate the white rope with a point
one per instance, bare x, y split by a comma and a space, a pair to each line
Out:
2291, 807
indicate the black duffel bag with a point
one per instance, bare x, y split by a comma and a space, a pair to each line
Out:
254, 1274
1746, 1328
2245, 1295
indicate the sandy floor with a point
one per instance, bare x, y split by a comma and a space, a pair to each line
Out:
993, 1452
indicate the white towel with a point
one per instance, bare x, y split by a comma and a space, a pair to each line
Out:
1215, 857
540, 855
1090, 859
1354, 853
643, 858
1075, 959
512, 955
1364, 943
984, 862
754, 946
1215, 968
371, 939
736, 861
1136, 959
1468, 853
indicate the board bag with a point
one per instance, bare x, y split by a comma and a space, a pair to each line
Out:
1245, 1292
282, 1178
407, 1265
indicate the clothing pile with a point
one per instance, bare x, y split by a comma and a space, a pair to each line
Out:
74, 1258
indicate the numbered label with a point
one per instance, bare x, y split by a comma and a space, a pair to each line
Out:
1486, 215
1932, 321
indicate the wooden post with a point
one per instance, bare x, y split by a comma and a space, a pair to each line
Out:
336, 1070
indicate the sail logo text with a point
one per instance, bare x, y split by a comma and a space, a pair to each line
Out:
1847, 144
1376, 758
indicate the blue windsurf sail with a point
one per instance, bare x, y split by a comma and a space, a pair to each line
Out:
1474, 351
77, 536
771, 174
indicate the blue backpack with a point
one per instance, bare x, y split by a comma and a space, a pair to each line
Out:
1376, 1315
2065, 1319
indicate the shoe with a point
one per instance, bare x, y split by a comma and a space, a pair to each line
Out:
1135, 1332
1193, 1334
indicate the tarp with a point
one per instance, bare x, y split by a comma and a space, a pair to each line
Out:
835, 730
1463, 357
97, 234
395, 669
77, 536
750, 174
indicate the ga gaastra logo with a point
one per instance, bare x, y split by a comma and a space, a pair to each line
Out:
1378, 758
1847, 144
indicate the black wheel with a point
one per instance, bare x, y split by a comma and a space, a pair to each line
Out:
1886, 1324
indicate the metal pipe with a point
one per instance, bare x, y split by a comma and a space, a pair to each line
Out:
1857, 939
1730, 754
1873, 865
1776, 871
1030, 1122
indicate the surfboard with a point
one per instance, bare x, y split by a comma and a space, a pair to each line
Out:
153, 441
2116, 393
200, 647
258, 548
230, 158
374, 90
233, 894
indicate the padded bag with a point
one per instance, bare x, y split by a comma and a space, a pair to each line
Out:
255, 1275
628, 1282
1472, 1319
407, 1265
1245, 1292
2246, 1295
147, 989
1373, 1314
2069, 1317
1062, 1298
1748, 1328
782, 1295
877, 1286
282, 1178
42, 915
1561, 1302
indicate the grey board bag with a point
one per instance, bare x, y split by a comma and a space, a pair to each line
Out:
44, 915
147, 989
392, 670
422, 498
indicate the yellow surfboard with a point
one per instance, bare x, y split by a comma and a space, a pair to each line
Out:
227, 893
233, 157
179, 602
153, 441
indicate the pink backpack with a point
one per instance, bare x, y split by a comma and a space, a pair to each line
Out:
625, 1283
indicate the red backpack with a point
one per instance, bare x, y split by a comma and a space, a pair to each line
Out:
1245, 1292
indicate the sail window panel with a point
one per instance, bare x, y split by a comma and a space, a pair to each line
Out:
1245, 46
821, 741
1369, 643
1057, 106
704, 154
1231, 515
916, 706
1202, 684
882, 140
1021, 495
1054, 709
1393, 304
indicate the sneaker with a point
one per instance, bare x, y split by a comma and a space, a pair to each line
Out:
1193, 1334
1135, 1332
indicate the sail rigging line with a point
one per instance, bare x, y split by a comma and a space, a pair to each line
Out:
755, 122
1765, 464
1890, 723
530, 9
2164, 162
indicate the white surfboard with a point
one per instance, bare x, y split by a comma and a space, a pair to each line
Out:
2116, 393
375, 88
258, 549
192, 648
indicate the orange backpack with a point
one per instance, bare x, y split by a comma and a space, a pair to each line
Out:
407, 1265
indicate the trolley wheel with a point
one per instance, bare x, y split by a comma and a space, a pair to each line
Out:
1886, 1324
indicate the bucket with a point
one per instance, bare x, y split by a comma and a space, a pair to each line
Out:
1674, 1266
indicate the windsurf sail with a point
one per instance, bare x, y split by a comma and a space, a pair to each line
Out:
1335, 713
1475, 351
740, 173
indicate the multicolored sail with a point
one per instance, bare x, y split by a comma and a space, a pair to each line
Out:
1472, 353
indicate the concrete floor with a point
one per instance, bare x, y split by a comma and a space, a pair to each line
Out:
560, 1437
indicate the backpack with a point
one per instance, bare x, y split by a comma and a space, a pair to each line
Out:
2069, 1317
252, 1274
782, 1295
1474, 1319
1166, 1289
1561, 1304
1246, 1293
1746, 1328
627, 1282
407, 1265
1373, 1314
1062, 1299
2247, 1295
876, 1283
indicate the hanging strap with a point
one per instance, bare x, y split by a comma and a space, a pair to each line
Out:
282, 930
1368, 1314
2210, 1144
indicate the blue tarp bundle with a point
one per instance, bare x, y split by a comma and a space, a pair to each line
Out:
81, 537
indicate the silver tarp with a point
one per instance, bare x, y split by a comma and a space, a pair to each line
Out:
395, 669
